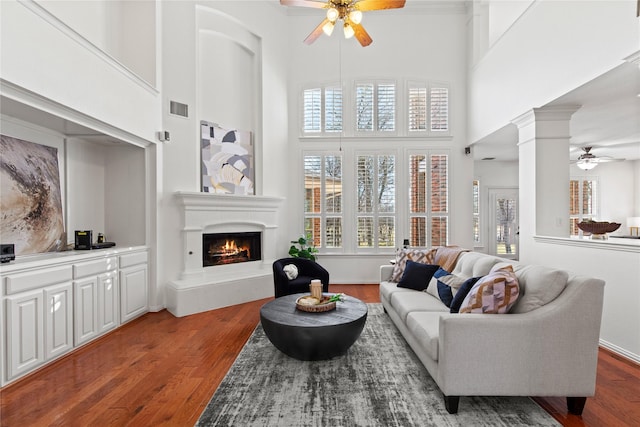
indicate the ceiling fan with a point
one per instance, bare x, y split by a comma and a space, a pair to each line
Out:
587, 161
347, 11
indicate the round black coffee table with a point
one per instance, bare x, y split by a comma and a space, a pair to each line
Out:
313, 336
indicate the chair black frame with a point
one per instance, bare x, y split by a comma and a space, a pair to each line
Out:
307, 271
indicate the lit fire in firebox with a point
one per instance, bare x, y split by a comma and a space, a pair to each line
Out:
230, 248
228, 251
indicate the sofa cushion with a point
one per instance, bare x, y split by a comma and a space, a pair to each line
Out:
406, 302
539, 285
425, 328
388, 288
494, 293
425, 256
417, 275
462, 293
474, 264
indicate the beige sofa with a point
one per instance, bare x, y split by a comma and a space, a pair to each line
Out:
546, 346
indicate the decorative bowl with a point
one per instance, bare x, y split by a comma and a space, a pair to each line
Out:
595, 227
313, 305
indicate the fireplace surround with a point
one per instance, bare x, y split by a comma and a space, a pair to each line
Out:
201, 288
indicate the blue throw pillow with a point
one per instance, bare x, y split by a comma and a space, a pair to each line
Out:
444, 291
417, 275
462, 293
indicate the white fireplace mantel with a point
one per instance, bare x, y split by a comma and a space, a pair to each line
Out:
205, 288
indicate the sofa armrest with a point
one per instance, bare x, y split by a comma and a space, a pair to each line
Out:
550, 351
385, 272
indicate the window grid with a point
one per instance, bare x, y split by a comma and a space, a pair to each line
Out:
476, 211
435, 213
417, 109
322, 110
376, 196
439, 108
312, 110
323, 199
583, 195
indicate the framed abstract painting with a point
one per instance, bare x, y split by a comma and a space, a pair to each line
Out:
227, 160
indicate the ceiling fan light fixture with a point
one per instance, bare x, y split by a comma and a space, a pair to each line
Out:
586, 164
328, 28
333, 14
348, 31
355, 16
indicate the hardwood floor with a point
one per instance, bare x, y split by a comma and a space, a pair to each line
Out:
162, 370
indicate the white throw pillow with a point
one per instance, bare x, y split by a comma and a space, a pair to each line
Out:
291, 271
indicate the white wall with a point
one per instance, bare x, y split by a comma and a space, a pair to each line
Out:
43, 54
553, 48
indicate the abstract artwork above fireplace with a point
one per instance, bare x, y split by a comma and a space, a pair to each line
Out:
227, 160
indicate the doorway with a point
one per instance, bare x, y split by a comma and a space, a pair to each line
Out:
503, 222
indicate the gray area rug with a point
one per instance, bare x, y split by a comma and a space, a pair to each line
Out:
379, 382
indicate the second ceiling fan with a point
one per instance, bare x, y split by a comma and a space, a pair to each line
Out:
347, 11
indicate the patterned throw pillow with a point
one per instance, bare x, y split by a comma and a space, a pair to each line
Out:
424, 256
494, 293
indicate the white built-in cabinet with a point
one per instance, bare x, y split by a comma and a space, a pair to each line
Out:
133, 286
56, 303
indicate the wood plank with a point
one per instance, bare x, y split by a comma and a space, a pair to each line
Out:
159, 369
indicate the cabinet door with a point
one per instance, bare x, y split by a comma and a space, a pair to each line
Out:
133, 292
58, 320
85, 301
25, 332
107, 301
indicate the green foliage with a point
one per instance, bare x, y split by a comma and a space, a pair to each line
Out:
306, 248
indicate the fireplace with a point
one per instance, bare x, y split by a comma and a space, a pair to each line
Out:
200, 286
230, 248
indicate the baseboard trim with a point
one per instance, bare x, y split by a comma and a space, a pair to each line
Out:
620, 351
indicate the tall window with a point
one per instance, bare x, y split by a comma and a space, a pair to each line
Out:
322, 110
583, 194
428, 200
375, 107
439, 108
476, 211
323, 199
376, 195
427, 107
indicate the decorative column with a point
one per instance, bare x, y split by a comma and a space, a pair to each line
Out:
543, 141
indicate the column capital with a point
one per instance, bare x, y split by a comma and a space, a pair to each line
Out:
546, 114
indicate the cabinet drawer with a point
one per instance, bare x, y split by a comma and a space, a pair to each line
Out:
133, 259
91, 268
37, 279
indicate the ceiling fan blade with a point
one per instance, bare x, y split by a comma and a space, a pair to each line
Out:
317, 32
607, 159
366, 5
360, 33
305, 3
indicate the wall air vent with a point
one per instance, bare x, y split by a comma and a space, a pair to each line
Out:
178, 109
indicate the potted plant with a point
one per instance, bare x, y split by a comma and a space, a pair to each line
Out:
305, 249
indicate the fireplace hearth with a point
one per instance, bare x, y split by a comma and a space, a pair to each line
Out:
230, 248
